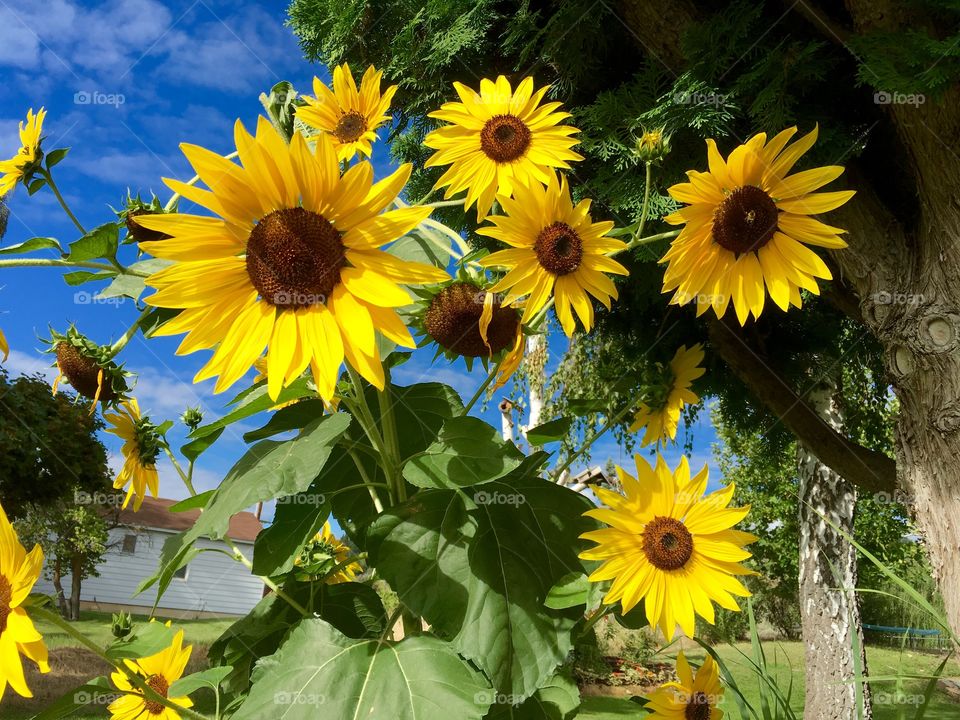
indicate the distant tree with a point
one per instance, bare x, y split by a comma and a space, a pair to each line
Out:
53, 473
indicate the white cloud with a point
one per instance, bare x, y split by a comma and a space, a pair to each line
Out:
21, 363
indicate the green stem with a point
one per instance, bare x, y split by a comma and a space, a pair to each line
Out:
47, 262
597, 616
183, 476
637, 242
610, 422
48, 176
391, 440
135, 680
483, 386
426, 197
240, 557
646, 204
121, 343
369, 484
441, 203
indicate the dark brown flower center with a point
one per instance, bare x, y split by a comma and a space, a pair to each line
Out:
745, 220
667, 543
504, 138
453, 320
350, 127
294, 258
159, 684
698, 707
83, 372
559, 249
6, 596
138, 232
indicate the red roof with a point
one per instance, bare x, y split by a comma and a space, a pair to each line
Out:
155, 513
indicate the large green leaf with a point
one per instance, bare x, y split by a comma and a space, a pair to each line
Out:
559, 699
292, 417
95, 692
468, 451
130, 285
480, 571
255, 400
101, 242
318, 672
296, 520
32, 245
549, 431
268, 470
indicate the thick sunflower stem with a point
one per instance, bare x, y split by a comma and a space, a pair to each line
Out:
241, 558
122, 341
391, 440
148, 692
186, 477
483, 387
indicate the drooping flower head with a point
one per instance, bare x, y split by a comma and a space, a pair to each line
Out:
325, 556
747, 226
498, 139
350, 116
659, 418
141, 447
669, 545
88, 367
159, 672
19, 571
21, 165
293, 262
692, 697
556, 249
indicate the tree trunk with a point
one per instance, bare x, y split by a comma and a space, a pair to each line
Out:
58, 586
829, 609
76, 578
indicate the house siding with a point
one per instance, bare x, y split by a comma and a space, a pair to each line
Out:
214, 582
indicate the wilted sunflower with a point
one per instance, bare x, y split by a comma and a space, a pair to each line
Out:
326, 552
141, 447
19, 571
159, 672
88, 367
16, 168
499, 139
660, 419
293, 263
555, 249
669, 545
465, 320
349, 115
694, 697
747, 225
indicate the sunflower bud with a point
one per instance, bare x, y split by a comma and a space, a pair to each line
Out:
122, 625
192, 417
653, 146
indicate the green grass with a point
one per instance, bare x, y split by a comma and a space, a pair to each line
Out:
785, 660
96, 626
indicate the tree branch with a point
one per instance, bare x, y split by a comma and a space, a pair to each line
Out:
868, 469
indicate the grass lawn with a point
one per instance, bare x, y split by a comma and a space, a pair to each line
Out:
72, 666
785, 660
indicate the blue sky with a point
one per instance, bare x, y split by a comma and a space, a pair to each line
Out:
124, 82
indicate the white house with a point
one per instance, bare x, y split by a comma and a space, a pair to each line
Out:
211, 584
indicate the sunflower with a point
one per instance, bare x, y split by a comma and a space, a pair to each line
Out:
142, 444
747, 225
499, 139
669, 545
694, 697
88, 367
465, 320
22, 164
19, 571
556, 248
159, 672
661, 419
327, 553
348, 115
293, 262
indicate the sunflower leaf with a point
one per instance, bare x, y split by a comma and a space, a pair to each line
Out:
101, 242
479, 572
147, 639
319, 671
94, 692
549, 431
209, 678
558, 699
31, 245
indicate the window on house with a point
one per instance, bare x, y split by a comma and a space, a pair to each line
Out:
181, 574
129, 544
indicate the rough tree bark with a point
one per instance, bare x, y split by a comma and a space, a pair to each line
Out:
829, 608
76, 578
58, 586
